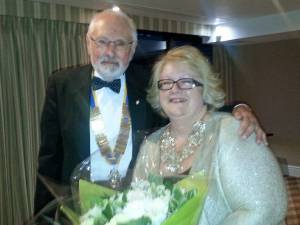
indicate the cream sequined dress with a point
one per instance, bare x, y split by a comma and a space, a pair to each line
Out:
246, 185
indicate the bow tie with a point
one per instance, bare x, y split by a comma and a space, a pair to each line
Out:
98, 83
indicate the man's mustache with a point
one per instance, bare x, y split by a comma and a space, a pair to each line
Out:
108, 60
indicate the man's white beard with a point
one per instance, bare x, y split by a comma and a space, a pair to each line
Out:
109, 72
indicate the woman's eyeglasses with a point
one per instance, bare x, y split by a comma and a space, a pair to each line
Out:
183, 83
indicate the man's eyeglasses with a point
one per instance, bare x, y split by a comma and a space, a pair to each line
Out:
119, 45
183, 83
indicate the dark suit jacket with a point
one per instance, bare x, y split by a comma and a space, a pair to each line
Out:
65, 138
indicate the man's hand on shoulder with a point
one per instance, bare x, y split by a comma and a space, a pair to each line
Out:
249, 123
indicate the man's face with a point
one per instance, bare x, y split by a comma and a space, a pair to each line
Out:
110, 46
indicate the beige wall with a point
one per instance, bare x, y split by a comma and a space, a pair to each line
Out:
267, 76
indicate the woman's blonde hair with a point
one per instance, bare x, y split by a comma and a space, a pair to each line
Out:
213, 94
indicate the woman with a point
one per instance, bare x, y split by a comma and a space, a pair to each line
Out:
246, 185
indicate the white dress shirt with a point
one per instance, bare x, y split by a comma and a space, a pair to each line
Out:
110, 104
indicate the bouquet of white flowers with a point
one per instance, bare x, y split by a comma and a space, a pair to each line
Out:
152, 202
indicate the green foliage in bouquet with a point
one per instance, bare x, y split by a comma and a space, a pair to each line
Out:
73, 217
91, 194
101, 204
141, 221
188, 208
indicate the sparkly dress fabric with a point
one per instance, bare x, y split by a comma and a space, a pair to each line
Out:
246, 186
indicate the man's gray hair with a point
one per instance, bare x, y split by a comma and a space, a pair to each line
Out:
119, 13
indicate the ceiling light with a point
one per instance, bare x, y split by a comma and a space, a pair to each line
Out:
116, 8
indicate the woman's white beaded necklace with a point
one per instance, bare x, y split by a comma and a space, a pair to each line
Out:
169, 156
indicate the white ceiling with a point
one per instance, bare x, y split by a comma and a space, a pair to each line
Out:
208, 10
205, 11
251, 18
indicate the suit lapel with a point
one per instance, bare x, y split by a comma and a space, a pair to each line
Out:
81, 97
138, 113
136, 107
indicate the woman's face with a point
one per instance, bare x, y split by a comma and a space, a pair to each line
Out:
178, 103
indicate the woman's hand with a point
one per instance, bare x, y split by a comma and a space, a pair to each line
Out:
249, 123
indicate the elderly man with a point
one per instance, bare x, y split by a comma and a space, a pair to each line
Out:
101, 108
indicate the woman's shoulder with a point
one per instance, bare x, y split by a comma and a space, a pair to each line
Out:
228, 128
226, 121
153, 137
232, 143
